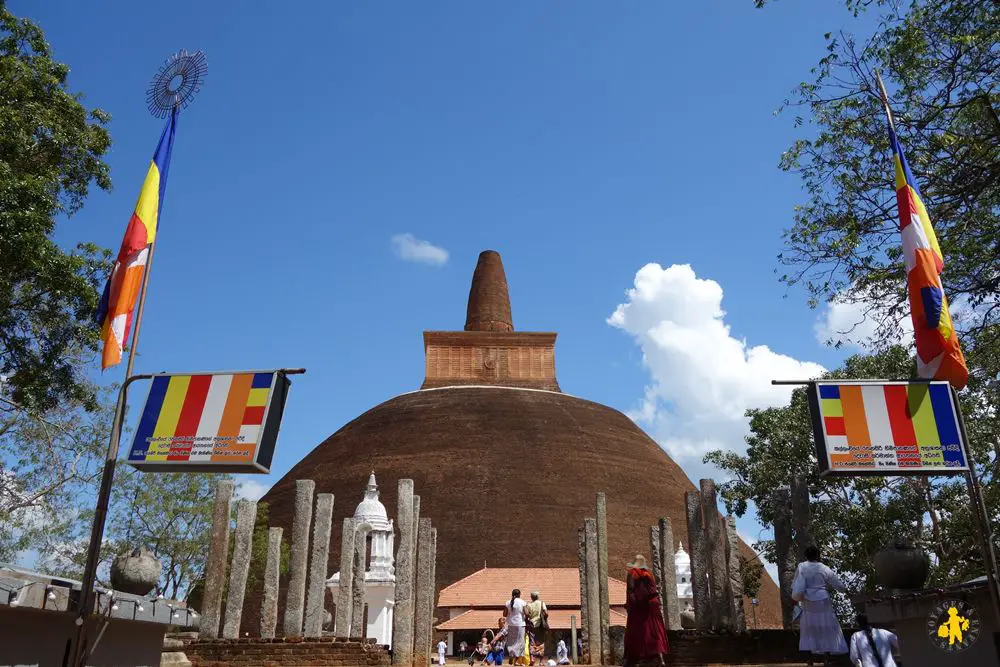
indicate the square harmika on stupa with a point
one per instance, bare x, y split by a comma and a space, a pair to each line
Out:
506, 463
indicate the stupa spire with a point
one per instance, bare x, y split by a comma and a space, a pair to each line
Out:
489, 300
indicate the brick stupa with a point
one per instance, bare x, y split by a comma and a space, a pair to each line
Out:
506, 464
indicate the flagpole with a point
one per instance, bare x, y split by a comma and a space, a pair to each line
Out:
981, 519
86, 599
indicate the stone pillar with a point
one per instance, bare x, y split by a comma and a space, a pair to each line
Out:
272, 573
656, 559
572, 638
425, 591
735, 567
800, 516
432, 601
358, 619
581, 552
594, 647
246, 513
345, 595
602, 573
298, 562
668, 585
718, 572
785, 559
318, 562
699, 562
215, 567
416, 530
402, 615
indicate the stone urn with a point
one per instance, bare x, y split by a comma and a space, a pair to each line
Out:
901, 566
136, 573
195, 595
687, 619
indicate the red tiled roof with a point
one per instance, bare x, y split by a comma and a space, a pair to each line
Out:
481, 619
491, 587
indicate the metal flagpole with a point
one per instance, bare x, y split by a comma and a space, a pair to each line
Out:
172, 88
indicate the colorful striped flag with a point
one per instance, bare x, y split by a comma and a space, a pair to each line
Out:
890, 426
114, 315
939, 355
208, 418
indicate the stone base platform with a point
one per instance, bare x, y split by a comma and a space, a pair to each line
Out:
286, 652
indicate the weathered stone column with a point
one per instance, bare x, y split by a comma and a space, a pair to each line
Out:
425, 591
656, 558
272, 573
246, 513
594, 647
581, 552
345, 594
299, 557
780, 500
699, 562
215, 567
416, 529
358, 620
668, 586
602, 573
316, 594
402, 615
735, 567
800, 516
434, 551
715, 535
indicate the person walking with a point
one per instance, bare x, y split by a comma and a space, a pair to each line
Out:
442, 647
463, 647
514, 613
819, 630
645, 634
538, 617
872, 647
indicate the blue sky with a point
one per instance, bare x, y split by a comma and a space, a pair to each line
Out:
582, 140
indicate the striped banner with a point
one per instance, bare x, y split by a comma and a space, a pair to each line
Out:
892, 428
221, 421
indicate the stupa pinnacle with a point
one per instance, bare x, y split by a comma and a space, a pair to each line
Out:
489, 300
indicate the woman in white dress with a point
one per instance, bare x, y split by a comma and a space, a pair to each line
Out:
819, 629
872, 647
514, 613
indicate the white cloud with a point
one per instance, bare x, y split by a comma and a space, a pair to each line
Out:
703, 379
411, 249
251, 489
855, 323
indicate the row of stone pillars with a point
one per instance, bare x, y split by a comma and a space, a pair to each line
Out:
305, 607
594, 600
716, 569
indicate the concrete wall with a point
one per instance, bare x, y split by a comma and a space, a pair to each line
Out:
35, 637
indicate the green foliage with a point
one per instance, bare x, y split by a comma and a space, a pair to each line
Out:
941, 63
752, 571
51, 150
853, 518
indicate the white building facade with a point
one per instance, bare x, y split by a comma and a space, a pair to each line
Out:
682, 565
380, 571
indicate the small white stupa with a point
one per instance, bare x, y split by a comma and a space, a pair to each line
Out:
380, 571
682, 565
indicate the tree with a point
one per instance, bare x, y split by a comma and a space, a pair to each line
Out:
51, 150
854, 517
942, 65
49, 469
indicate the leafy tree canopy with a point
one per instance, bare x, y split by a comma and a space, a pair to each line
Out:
51, 150
941, 64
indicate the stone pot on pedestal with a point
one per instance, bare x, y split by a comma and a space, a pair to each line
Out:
687, 619
136, 573
901, 566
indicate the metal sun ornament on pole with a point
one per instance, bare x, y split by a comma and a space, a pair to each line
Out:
171, 89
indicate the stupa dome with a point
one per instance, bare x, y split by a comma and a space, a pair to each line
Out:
506, 464
370, 510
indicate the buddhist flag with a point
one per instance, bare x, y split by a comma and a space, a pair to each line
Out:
114, 314
939, 356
